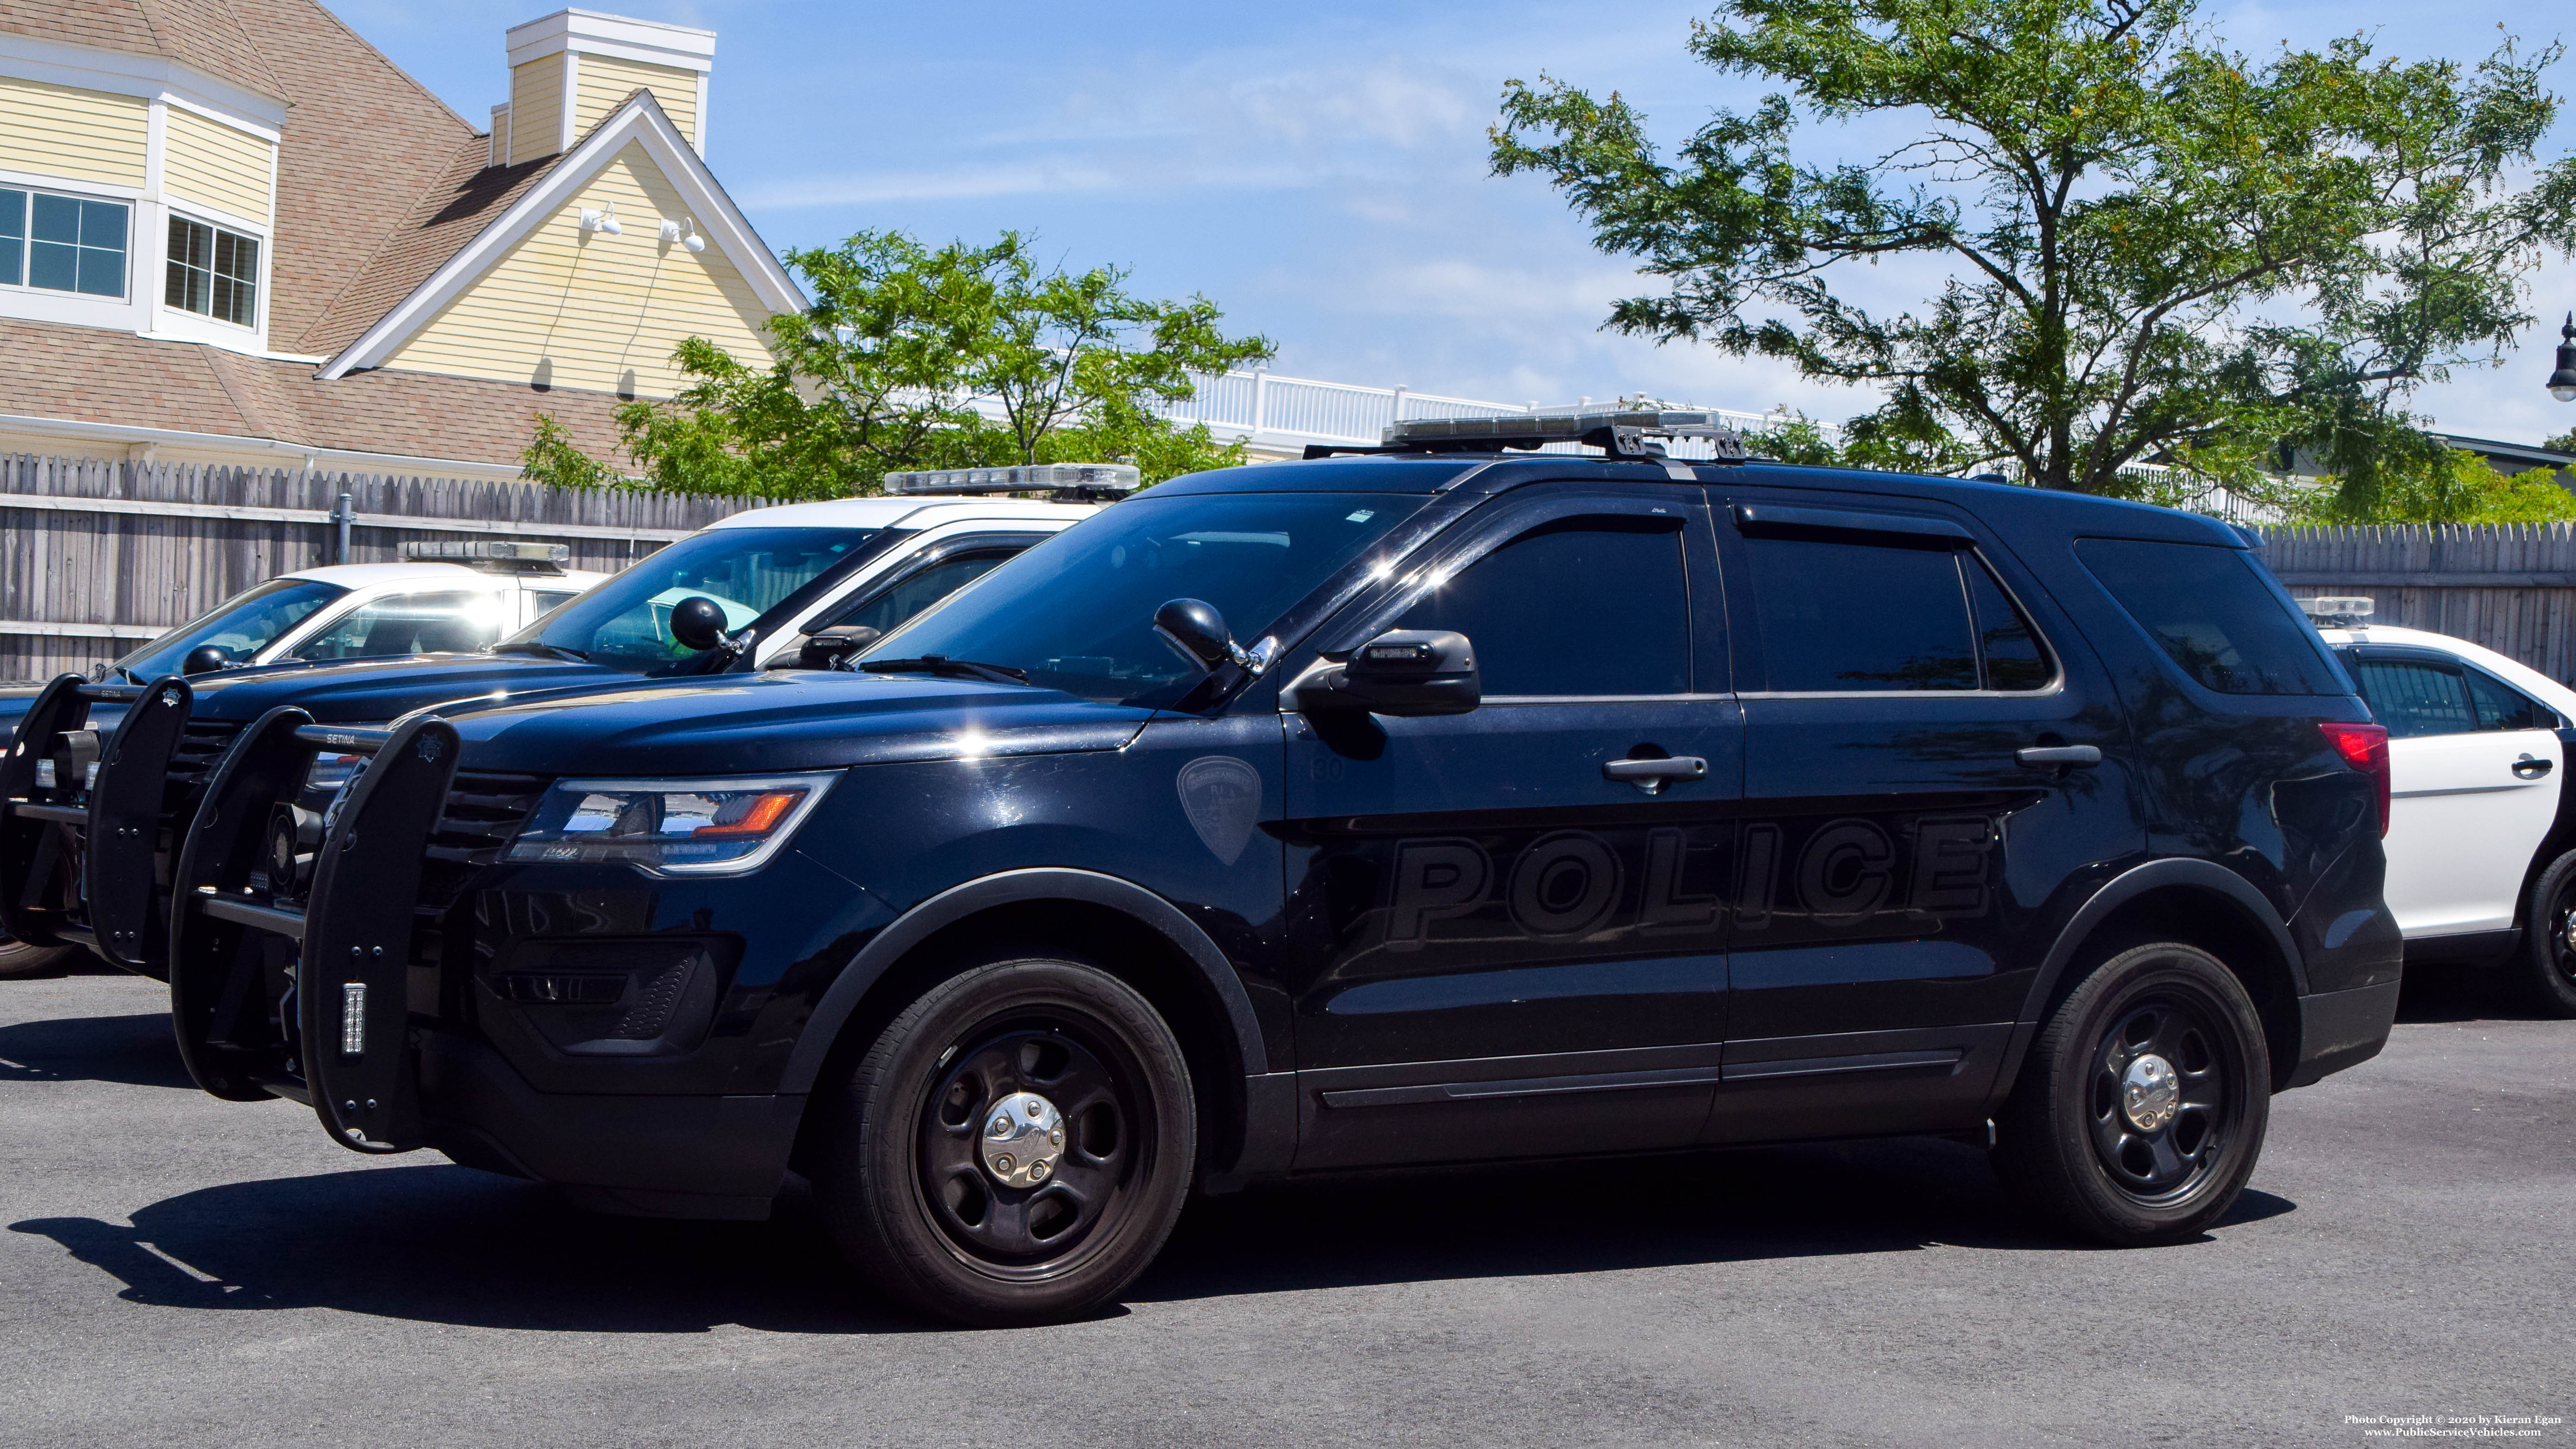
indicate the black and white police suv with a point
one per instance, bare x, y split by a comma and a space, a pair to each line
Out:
94, 791
1456, 802
2482, 830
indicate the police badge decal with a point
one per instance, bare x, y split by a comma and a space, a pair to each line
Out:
1222, 797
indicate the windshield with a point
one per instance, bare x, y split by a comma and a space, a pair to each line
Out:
625, 623
1077, 611
245, 624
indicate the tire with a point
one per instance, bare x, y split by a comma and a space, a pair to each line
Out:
2075, 1152
909, 1187
25, 958
2543, 972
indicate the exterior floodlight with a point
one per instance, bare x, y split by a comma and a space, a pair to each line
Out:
1080, 480
2562, 383
685, 232
604, 220
1620, 434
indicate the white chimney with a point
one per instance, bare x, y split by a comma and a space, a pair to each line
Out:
569, 70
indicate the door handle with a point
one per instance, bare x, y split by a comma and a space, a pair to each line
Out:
2532, 767
2049, 757
1653, 775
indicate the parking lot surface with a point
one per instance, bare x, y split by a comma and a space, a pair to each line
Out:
181, 1270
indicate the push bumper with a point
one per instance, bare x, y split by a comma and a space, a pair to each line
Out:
2339, 1029
79, 850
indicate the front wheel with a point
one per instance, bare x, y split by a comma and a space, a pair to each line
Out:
2141, 1109
2546, 964
1014, 1147
25, 958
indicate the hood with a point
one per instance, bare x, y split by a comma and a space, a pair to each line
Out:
372, 691
742, 724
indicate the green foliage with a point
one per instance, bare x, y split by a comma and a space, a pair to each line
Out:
881, 376
2121, 211
552, 458
2563, 443
2445, 485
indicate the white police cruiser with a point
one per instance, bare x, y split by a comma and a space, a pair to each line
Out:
2481, 834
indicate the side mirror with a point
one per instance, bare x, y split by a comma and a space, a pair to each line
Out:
206, 659
698, 622
1197, 632
1405, 673
835, 647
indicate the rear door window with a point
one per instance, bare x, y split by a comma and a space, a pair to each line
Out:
2213, 614
2415, 697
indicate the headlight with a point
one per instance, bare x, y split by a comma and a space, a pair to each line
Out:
722, 826
330, 772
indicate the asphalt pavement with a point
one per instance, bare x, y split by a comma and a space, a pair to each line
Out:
178, 1270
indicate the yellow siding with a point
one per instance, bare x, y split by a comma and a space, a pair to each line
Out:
605, 81
77, 135
536, 109
592, 311
209, 162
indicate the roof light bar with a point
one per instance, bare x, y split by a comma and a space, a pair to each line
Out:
1088, 480
1621, 434
493, 553
2339, 611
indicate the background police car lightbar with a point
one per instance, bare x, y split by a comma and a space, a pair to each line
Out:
1037, 477
1555, 427
484, 550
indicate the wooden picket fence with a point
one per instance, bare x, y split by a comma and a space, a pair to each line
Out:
2510, 587
98, 555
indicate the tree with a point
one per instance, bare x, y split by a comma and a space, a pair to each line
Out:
886, 371
551, 457
2121, 213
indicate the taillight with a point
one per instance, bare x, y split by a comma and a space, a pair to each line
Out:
2365, 748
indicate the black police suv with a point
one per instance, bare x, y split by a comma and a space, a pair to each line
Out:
95, 789
1433, 806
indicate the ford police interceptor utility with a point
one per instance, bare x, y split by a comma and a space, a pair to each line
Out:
2482, 830
1451, 803
94, 795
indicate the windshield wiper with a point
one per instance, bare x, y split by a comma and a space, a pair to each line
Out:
947, 668
542, 649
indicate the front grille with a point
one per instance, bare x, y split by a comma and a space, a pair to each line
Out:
201, 743
483, 811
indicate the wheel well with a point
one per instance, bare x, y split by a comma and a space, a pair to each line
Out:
1118, 943
2216, 924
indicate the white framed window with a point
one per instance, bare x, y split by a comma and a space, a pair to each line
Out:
212, 272
56, 243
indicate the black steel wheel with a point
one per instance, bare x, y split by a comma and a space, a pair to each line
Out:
1015, 1145
2547, 960
2141, 1108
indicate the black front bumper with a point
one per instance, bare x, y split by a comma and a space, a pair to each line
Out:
652, 1156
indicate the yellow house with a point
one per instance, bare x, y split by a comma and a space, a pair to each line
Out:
232, 231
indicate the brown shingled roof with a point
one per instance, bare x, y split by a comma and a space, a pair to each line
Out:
470, 197
362, 144
205, 34
96, 375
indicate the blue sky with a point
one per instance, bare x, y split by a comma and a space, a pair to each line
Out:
1317, 169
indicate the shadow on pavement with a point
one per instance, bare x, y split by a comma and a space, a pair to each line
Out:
2448, 993
1821, 1200
136, 1050
453, 1245
78, 963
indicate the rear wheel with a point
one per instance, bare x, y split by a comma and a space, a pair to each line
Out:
2142, 1107
22, 958
1014, 1147
2545, 967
